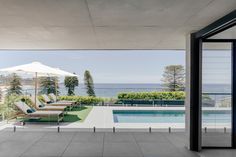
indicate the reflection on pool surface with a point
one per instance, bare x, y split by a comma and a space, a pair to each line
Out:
167, 116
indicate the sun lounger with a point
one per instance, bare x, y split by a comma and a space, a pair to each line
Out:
40, 106
32, 113
50, 102
54, 98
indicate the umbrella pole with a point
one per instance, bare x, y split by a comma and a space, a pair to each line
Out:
56, 87
36, 86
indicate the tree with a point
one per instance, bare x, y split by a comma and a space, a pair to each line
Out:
49, 85
1, 94
8, 107
174, 77
88, 81
70, 83
15, 85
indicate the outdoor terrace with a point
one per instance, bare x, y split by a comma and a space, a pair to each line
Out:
99, 144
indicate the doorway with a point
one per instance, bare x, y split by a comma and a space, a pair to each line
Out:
216, 104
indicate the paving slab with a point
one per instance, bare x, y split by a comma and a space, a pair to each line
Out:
119, 137
121, 149
89, 144
84, 149
88, 137
46, 149
13, 148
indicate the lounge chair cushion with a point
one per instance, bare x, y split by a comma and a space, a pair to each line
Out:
46, 99
54, 99
46, 113
60, 108
22, 106
38, 104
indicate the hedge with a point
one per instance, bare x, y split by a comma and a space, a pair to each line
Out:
153, 95
87, 100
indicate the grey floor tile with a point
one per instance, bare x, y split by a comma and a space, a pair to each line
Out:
71, 144
121, 149
218, 153
216, 139
88, 137
46, 149
186, 153
5, 135
13, 148
119, 137
26, 136
159, 149
84, 149
149, 137
177, 139
57, 137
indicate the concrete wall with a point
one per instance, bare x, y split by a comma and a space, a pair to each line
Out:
187, 88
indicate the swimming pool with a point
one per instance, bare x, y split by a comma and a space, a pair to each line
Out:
167, 116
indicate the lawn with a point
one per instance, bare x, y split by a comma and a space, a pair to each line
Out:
78, 114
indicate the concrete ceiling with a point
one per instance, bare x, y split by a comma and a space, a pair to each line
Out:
105, 24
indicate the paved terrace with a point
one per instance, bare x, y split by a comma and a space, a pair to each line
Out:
102, 117
85, 144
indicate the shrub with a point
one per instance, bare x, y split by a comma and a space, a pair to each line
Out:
153, 95
87, 100
8, 108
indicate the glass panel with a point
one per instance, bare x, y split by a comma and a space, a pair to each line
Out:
216, 95
227, 34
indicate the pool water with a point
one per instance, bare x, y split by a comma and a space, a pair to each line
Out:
167, 116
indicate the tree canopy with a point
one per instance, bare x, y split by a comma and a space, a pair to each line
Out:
174, 77
70, 83
15, 85
49, 85
88, 81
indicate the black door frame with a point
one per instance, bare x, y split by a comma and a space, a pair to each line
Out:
196, 41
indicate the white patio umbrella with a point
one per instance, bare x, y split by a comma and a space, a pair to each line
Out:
38, 69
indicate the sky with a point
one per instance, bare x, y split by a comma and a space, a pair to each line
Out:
106, 66
216, 67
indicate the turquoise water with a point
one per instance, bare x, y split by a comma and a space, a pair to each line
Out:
148, 116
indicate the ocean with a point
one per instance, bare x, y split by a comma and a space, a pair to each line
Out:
112, 90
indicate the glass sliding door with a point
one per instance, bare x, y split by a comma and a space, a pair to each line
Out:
216, 94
